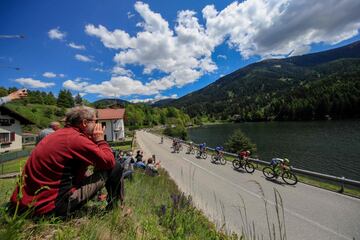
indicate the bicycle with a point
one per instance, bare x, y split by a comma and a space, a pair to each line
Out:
201, 154
218, 157
244, 163
190, 150
286, 174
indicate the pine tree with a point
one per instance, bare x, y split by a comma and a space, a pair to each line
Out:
65, 99
78, 99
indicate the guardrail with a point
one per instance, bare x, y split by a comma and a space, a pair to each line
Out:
341, 180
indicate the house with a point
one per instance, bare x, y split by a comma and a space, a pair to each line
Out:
10, 129
29, 138
113, 120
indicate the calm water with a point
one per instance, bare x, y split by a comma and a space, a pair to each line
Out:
331, 147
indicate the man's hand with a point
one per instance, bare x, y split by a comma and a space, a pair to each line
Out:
98, 133
21, 93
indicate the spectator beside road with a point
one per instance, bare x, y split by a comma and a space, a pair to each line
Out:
139, 156
128, 166
54, 126
55, 181
152, 168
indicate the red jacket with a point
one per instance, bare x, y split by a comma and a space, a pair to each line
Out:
57, 165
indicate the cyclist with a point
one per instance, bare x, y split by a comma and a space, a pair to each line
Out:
218, 150
174, 144
162, 139
244, 154
279, 164
191, 146
202, 148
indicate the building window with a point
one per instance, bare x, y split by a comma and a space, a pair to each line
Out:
4, 137
12, 136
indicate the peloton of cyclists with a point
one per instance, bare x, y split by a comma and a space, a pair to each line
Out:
176, 144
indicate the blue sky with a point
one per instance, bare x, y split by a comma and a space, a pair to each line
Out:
150, 50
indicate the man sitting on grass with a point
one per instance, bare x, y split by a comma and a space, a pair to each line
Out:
54, 179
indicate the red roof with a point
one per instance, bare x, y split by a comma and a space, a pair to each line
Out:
108, 113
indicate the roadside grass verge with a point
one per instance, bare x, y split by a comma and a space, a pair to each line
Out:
12, 165
159, 211
123, 148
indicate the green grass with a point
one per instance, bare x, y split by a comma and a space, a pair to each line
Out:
124, 148
40, 114
12, 166
154, 216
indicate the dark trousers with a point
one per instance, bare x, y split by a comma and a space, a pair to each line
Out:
112, 180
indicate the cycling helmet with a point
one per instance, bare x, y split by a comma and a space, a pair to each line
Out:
286, 160
248, 152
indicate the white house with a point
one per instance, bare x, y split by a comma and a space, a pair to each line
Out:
113, 120
10, 129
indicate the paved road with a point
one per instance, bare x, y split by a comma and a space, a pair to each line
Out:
236, 200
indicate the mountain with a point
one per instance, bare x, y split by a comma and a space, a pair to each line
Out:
110, 102
313, 86
162, 102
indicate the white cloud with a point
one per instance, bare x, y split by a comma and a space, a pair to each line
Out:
115, 87
75, 85
221, 56
154, 99
121, 71
279, 28
266, 28
75, 46
55, 33
97, 69
49, 74
33, 83
83, 58
52, 75
130, 15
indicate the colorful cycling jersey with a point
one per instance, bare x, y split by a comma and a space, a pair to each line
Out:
244, 154
202, 146
276, 161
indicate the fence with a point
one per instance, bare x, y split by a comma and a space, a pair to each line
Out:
4, 157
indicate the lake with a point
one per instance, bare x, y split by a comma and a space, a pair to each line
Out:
330, 147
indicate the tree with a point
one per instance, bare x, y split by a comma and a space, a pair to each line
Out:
177, 131
50, 99
238, 141
65, 99
78, 99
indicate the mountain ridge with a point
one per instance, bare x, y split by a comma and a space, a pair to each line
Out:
249, 91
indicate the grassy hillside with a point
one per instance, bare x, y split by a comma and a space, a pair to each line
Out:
40, 114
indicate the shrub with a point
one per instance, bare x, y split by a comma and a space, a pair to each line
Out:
177, 131
239, 141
